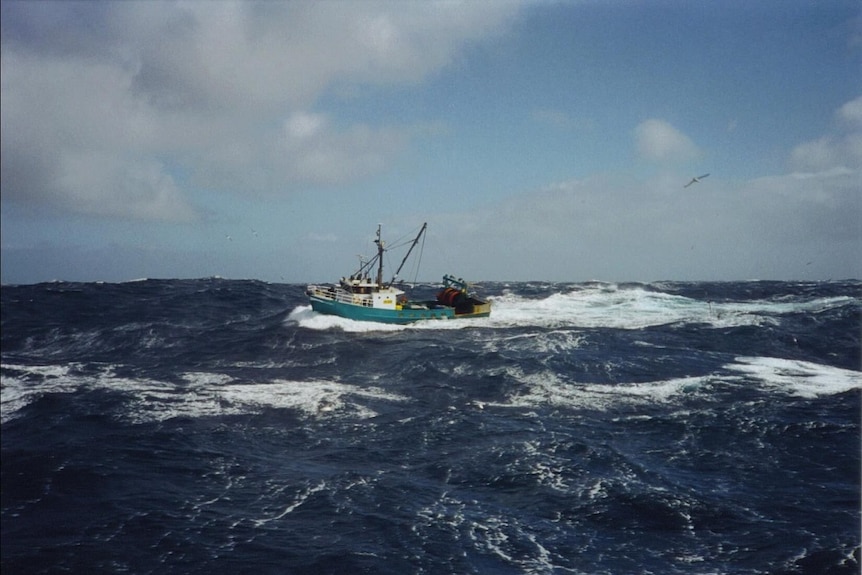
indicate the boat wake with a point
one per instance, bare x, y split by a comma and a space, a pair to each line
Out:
603, 306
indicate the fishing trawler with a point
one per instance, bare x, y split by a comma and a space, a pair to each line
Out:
363, 298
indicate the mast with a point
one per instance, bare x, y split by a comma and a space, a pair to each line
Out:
407, 255
379, 243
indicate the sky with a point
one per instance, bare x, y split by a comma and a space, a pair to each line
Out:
540, 141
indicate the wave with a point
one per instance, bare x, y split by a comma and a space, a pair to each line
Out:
205, 394
780, 376
597, 306
800, 378
198, 394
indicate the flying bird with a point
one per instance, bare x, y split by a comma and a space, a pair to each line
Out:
695, 180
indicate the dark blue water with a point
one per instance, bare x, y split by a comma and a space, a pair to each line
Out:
214, 426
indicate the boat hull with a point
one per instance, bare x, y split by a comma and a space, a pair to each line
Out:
404, 315
477, 308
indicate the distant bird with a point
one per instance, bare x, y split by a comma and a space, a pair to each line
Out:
230, 239
253, 232
695, 180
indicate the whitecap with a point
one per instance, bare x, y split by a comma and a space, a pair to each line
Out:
202, 394
796, 377
310, 319
608, 306
23, 384
217, 395
628, 308
552, 390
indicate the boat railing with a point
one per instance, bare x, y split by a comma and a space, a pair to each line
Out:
339, 295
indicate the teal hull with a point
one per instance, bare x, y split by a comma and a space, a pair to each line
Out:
365, 313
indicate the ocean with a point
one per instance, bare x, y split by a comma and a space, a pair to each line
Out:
220, 426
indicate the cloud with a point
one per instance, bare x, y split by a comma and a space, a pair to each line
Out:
594, 227
122, 108
626, 229
73, 139
107, 185
842, 147
851, 113
658, 141
316, 153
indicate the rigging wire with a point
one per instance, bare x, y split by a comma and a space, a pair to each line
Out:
418, 263
408, 238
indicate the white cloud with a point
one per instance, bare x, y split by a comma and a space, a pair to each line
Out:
303, 125
658, 141
623, 229
851, 113
151, 97
104, 184
263, 55
313, 151
840, 148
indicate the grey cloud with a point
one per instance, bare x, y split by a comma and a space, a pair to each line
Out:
203, 89
653, 229
59, 29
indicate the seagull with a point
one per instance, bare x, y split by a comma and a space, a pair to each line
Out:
695, 180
